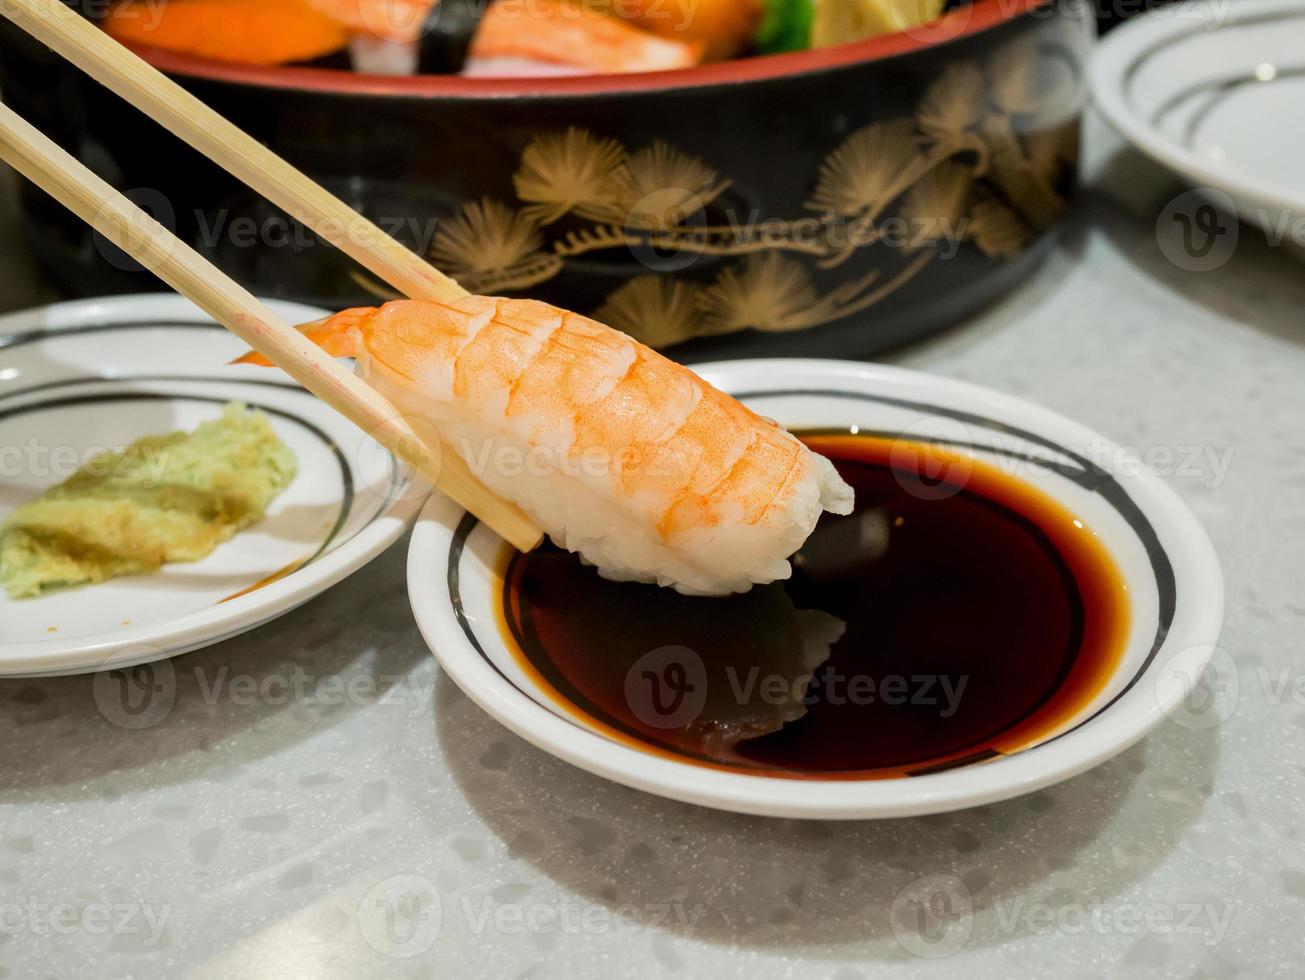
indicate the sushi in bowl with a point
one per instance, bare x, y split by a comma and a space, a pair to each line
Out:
503, 38
834, 199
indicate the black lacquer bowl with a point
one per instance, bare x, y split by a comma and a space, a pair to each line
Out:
837, 201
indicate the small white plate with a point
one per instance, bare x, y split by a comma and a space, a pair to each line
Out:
1213, 90
77, 377
1166, 560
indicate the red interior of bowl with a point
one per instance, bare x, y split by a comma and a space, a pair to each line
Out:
961, 22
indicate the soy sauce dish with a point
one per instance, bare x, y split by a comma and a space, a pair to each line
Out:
1012, 602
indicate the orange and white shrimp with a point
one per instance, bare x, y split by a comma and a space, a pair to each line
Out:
618, 453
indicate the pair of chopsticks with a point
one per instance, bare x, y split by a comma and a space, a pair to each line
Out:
35, 156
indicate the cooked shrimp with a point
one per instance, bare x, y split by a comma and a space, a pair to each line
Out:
618, 453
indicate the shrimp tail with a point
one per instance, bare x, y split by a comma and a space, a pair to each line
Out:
339, 335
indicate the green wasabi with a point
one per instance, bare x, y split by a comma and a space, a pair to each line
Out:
164, 498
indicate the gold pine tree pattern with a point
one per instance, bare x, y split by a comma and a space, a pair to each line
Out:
980, 161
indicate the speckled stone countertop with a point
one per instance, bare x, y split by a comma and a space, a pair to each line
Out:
395, 830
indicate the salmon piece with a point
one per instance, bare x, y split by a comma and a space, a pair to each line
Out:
249, 32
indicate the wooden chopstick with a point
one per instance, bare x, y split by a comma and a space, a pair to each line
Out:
108, 62
163, 100
29, 152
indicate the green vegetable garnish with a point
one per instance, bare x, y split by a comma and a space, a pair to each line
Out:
785, 27
794, 25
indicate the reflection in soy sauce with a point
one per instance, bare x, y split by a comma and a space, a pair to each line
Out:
940, 623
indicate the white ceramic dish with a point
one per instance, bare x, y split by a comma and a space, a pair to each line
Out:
1213, 90
1165, 558
76, 377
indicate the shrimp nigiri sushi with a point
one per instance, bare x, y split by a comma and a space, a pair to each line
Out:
618, 453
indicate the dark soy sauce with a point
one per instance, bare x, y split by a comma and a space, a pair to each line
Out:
958, 614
